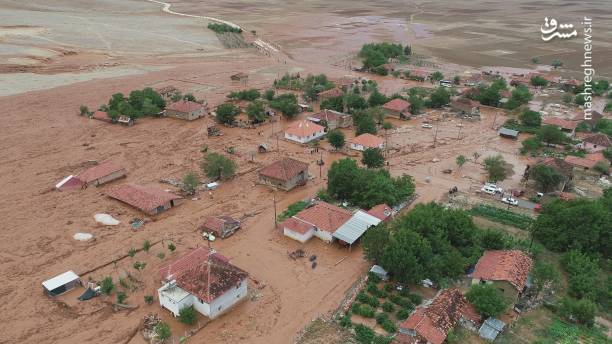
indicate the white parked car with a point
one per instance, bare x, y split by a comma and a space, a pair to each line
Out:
510, 200
491, 189
425, 125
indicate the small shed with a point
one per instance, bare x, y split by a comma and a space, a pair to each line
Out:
508, 133
354, 228
380, 272
61, 283
491, 328
125, 120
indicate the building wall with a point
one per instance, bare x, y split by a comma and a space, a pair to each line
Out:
393, 113
173, 307
109, 178
288, 185
362, 148
298, 236
185, 115
324, 235
302, 139
226, 301
159, 210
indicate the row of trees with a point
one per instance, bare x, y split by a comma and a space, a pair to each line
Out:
139, 103
374, 55
366, 188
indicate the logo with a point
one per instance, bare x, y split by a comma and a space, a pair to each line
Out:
549, 30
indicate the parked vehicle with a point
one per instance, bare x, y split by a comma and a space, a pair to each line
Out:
427, 126
510, 200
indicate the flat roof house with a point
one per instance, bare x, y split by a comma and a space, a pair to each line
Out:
508, 133
304, 131
203, 279
507, 270
61, 283
397, 108
332, 119
431, 324
220, 226
365, 141
284, 174
320, 220
185, 109
149, 200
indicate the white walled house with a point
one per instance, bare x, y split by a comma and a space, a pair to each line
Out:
365, 141
186, 284
320, 220
304, 131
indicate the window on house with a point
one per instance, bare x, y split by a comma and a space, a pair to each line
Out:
238, 296
219, 308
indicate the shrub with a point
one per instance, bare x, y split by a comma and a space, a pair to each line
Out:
222, 27
190, 182
346, 321
226, 113
365, 311
389, 326
148, 299
107, 286
364, 334
503, 216
161, 255
403, 314
132, 252
292, 209
373, 278
162, 330
389, 288
187, 315
580, 311
171, 247
146, 246
582, 274
415, 298
388, 307
250, 94
121, 296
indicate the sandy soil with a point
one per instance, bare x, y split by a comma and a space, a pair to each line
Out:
61, 54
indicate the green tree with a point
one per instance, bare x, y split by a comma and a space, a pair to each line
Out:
460, 160
376, 98
256, 112
148, 299
601, 167
535, 60
582, 274
364, 123
269, 95
84, 110
538, 80
162, 331
439, 97
217, 166
406, 256
355, 102
519, 96
107, 286
436, 76
287, 104
551, 135
334, 103
530, 118
250, 94
190, 182
373, 158
581, 311
457, 80
567, 98
189, 97
556, 63
336, 138
488, 300
607, 153
171, 247
416, 104
121, 296
531, 144
226, 113
188, 315
546, 177
375, 242
496, 168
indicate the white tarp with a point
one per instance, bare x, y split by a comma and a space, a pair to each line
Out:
106, 219
63, 181
83, 236
60, 280
354, 228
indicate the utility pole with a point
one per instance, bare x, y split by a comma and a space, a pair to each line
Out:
494, 120
436, 134
321, 166
274, 201
460, 127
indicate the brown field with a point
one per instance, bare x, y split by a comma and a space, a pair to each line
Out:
57, 55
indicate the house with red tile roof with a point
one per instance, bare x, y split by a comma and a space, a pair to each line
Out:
304, 131
203, 279
397, 108
320, 220
465, 106
149, 200
580, 163
185, 109
595, 143
220, 226
365, 141
566, 126
101, 174
507, 270
284, 174
382, 212
431, 324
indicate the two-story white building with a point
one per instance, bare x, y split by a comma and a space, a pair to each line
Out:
203, 279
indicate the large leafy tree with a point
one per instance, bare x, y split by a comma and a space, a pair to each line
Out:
226, 113
336, 138
546, 177
335, 103
217, 166
287, 104
364, 122
439, 97
496, 168
488, 300
256, 111
373, 158
376, 98
551, 135
407, 256
530, 118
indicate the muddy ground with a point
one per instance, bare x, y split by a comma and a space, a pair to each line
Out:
59, 55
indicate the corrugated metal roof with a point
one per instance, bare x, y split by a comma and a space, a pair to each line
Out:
60, 280
508, 132
491, 328
354, 228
